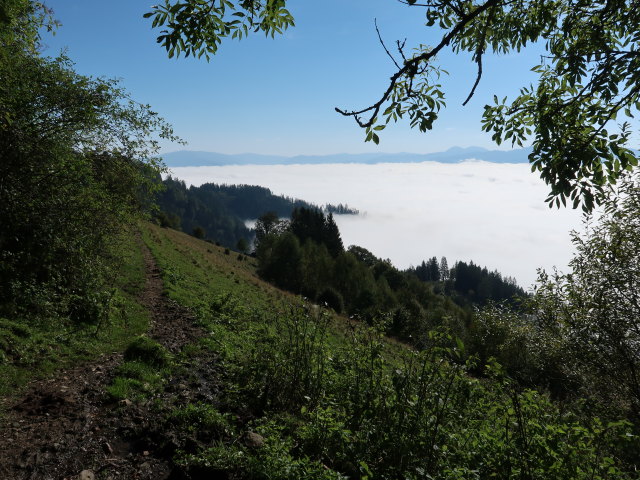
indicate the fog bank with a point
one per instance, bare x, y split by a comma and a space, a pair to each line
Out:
493, 214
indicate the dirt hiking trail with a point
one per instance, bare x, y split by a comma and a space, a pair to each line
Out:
66, 427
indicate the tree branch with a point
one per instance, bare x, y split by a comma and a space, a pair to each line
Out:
401, 48
412, 65
375, 21
478, 57
478, 77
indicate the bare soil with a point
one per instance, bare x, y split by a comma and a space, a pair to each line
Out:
66, 427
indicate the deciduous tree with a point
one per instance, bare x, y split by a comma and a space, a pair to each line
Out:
77, 166
596, 307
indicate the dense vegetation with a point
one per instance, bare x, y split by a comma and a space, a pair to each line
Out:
219, 212
581, 335
305, 255
310, 396
468, 282
76, 169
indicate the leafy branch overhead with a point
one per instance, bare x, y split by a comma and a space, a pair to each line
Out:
578, 116
197, 27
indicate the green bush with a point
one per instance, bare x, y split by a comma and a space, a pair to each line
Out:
149, 352
332, 299
217, 461
287, 361
13, 336
278, 459
361, 414
204, 419
61, 206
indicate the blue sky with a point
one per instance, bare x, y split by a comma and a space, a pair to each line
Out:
278, 96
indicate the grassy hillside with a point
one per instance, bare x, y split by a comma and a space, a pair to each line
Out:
305, 394
270, 386
192, 267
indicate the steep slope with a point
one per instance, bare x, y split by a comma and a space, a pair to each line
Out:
239, 380
80, 422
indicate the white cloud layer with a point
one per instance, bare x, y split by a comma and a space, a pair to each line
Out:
493, 214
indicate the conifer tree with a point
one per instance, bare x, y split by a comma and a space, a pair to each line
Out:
444, 269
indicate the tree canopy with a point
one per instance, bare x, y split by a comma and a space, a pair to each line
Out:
581, 333
578, 115
77, 167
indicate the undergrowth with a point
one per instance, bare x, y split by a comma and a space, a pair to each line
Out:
307, 396
38, 344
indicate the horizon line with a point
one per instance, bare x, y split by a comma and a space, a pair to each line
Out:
345, 153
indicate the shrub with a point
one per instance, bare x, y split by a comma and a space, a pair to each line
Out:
147, 351
332, 299
204, 419
199, 232
77, 168
217, 461
12, 339
277, 460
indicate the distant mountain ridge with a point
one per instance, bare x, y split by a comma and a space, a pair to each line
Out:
188, 158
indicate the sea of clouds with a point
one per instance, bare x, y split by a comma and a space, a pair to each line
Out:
492, 214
